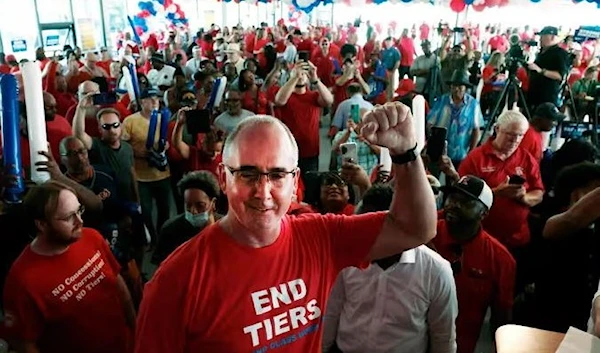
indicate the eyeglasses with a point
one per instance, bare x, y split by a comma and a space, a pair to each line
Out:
73, 216
73, 153
114, 125
333, 180
251, 175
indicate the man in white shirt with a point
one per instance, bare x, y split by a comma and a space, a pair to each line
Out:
193, 65
161, 76
234, 56
404, 303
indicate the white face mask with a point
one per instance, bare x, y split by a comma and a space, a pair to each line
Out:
197, 220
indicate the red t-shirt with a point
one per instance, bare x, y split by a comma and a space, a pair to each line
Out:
216, 295
486, 278
302, 114
199, 161
487, 74
258, 104
325, 67
507, 220
423, 32
340, 93
68, 302
56, 130
532, 142
407, 50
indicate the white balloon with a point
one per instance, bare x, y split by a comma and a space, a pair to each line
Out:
36, 122
418, 109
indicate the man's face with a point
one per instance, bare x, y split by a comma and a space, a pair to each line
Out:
49, 107
76, 157
65, 223
547, 124
230, 70
157, 65
110, 127
150, 103
234, 103
457, 51
458, 91
426, 49
325, 45
509, 137
462, 209
258, 205
196, 201
546, 40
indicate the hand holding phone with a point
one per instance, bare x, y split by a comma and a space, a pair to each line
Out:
349, 152
104, 98
436, 143
516, 180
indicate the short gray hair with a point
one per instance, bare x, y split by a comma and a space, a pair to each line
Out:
252, 122
510, 117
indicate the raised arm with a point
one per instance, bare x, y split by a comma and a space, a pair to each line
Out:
412, 217
325, 96
79, 121
181, 147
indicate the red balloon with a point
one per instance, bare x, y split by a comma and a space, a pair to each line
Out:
457, 5
479, 7
503, 3
492, 3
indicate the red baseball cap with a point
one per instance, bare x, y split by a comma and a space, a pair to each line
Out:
405, 87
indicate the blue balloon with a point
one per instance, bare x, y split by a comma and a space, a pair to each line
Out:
536, 1
171, 16
147, 6
162, 2
11, 138
469, 2
406, 1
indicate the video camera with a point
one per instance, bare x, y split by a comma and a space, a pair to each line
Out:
516, 57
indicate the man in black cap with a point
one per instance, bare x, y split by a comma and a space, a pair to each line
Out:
459, 113
545, 117
161, 76
548, 72
484, 270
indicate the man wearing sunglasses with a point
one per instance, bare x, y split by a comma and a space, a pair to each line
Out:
483, 268
258, 280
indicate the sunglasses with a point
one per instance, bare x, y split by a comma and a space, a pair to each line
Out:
109, 126
333, 180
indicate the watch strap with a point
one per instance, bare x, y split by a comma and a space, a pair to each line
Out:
406, 157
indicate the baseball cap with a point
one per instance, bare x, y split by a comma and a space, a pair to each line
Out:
474, 187
405, 87
548, 30
148, 93
549, 111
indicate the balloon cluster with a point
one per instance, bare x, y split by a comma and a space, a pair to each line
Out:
578, 1
171, 11
479, 5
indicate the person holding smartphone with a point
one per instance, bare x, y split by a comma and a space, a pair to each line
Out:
514, 176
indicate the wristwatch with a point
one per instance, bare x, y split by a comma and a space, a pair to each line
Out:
406, 157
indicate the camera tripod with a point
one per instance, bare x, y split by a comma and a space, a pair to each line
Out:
512, 86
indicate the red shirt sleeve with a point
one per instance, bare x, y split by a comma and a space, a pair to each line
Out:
353, 237
505, 278
534, 176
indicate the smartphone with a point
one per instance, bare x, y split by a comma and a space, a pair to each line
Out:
104, 98
303, 56
355, 113
198, 121
516, 180
385, 160
349, 152
436, 143
458, 29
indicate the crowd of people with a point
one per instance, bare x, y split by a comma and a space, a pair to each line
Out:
360, 257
